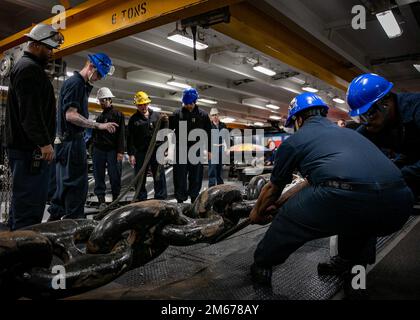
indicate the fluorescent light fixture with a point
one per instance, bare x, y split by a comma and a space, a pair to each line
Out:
338, 100
174, 83
69, 73
297, 80
157, 109
207, 101
259, 67
93, 100
389, 24
4, 88
259, 124
272, 106
275, 117
183, 38
417, 66
227, 119
309, 89
290, 89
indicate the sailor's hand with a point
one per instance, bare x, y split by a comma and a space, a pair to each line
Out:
111, 127
132, 160
47, 152
257, 218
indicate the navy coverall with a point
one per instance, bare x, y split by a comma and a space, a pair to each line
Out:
323, 152
188, 177
216, 167
403, 138
106, 145
140, 132
71, 168
30, 124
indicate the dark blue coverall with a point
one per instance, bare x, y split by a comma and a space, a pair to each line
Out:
71, 168
403, 138
216, 167
379, 205
188, 177
140, 132
30, 124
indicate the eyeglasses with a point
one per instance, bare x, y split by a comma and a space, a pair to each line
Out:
57, 37
365, 117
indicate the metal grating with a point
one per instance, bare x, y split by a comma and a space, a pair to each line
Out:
221, 271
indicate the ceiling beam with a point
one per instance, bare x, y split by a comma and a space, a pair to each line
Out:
255, 28
96, 22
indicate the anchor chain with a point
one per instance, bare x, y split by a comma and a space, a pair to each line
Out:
94, 253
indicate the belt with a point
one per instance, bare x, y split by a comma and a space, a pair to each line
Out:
358, 186
74, 136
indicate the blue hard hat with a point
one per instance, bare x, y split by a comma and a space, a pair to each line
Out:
189, 96
364, 91
304, 101
102, 63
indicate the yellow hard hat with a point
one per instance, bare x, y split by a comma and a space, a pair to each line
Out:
141, 97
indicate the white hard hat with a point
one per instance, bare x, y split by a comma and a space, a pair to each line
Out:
47, 35
214, 111
104, 93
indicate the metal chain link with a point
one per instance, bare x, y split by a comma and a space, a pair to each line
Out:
131, 236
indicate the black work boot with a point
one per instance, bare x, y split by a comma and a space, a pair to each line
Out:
261, 275
335, 266
101, 200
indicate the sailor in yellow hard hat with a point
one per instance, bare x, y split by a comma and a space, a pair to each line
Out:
140, 130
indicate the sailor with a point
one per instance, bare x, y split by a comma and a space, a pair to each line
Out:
354, 191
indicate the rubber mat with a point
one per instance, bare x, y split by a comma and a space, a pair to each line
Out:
221, 271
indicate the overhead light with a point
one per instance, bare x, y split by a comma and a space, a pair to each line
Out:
259, 124
417, 66
174, 83
4, 88
207, 101
183, 37
260, 68
275, 117
338, 100
389, 24
309, 89
157, 109
227, 119
297, 80
272, 106
290, 89
69, 73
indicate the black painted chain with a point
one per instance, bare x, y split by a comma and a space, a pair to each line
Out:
93, 253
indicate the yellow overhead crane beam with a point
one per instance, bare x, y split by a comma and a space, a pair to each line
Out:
256, 29
97, 22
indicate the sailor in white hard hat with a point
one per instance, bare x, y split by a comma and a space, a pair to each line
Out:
108, 148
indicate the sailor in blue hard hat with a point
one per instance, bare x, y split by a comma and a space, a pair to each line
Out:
352, 191
72, 120
188, 175
391, 120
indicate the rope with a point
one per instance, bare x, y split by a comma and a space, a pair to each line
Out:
138, 179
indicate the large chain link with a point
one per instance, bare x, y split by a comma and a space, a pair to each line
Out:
93, 253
